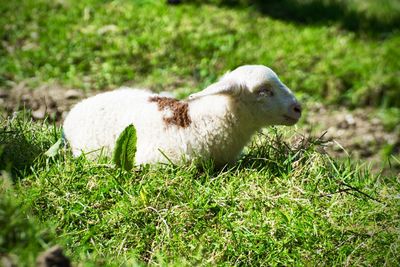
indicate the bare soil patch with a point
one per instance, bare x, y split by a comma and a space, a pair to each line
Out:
358, 133
53, 101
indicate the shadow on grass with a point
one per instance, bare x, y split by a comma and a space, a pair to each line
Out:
278, 156
351, 18
21, 143
17, 153
271, 152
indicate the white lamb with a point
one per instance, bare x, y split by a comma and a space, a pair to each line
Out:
215, 123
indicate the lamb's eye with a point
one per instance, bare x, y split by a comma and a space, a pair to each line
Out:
266, 91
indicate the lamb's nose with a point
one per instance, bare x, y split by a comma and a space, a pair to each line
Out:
295, 109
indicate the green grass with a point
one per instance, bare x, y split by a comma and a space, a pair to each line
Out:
366, 17
283, 203
104, 44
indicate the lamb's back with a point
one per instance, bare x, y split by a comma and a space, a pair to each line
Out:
96, 122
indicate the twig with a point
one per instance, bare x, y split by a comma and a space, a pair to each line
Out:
337, 192
359, 191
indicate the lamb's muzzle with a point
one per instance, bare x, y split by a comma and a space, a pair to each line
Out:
294, 112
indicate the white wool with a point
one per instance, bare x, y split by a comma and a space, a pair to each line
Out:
223, 117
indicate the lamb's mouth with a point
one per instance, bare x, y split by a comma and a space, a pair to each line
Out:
290, 120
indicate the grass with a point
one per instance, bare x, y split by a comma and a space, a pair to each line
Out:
283, 203
366, 17
104, 44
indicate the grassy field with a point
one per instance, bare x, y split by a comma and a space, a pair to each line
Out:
285, 202
103, 44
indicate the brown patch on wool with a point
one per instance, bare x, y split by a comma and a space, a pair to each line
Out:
180, 110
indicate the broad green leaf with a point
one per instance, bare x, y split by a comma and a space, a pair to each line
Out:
125, 148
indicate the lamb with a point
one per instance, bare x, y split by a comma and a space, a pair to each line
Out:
213, 124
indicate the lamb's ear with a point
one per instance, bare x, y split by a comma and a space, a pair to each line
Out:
221, 87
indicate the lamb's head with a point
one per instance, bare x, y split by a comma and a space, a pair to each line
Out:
260, 93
